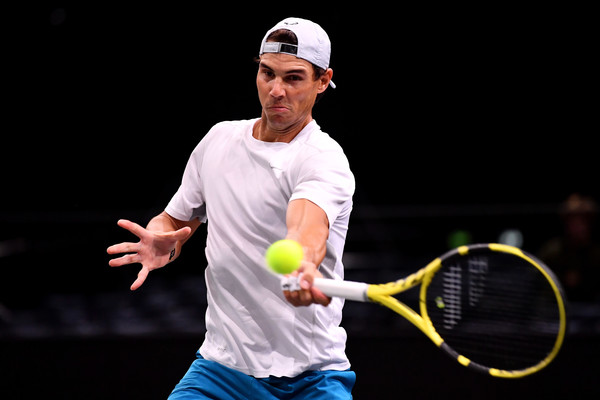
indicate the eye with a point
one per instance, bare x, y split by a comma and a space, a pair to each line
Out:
294, 78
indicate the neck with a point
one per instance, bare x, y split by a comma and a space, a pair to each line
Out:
266, 132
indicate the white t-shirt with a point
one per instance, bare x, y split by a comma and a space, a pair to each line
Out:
242, 187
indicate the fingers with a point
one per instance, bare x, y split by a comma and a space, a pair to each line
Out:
142, 275
126, 259
132, 259
151, 248
299, 298
319, 297
126, 247
306, 283
302, 298
308, 294
132, 227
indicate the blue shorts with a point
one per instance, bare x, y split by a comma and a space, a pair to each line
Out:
210, 380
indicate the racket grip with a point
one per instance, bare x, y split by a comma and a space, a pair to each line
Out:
356, 291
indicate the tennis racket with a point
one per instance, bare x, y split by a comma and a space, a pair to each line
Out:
492, 307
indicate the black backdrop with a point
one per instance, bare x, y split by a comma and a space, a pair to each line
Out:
428, 100
451, 117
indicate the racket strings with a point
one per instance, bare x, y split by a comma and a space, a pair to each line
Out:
500, 311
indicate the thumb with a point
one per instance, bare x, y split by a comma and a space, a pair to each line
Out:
308, 275
307, 281
182, 233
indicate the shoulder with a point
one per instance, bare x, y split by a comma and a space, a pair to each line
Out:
230, 127
321, 157
321, 142
316, 144
237, 124
322, 150
223, 132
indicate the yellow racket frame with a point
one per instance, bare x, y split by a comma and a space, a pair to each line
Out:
383, 294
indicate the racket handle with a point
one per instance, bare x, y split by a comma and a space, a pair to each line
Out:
356, 291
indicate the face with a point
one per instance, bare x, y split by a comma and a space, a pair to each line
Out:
287, 91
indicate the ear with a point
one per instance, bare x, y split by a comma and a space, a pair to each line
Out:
324, 80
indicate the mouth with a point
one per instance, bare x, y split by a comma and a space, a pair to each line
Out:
277, 108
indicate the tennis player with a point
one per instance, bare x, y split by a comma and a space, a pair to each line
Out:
255, 182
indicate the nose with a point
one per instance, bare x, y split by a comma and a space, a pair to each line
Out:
277, 90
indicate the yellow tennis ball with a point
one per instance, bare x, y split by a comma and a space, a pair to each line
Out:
284, 256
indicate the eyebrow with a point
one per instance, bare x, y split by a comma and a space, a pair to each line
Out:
289, 72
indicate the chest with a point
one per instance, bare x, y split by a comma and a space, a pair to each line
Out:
244, 182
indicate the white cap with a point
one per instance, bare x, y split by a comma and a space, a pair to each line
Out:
313, 43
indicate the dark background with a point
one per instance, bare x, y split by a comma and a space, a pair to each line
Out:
478, 119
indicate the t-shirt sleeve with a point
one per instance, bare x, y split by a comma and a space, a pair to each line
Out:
188, 202
326, 180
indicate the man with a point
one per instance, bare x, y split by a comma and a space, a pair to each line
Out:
255, 182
